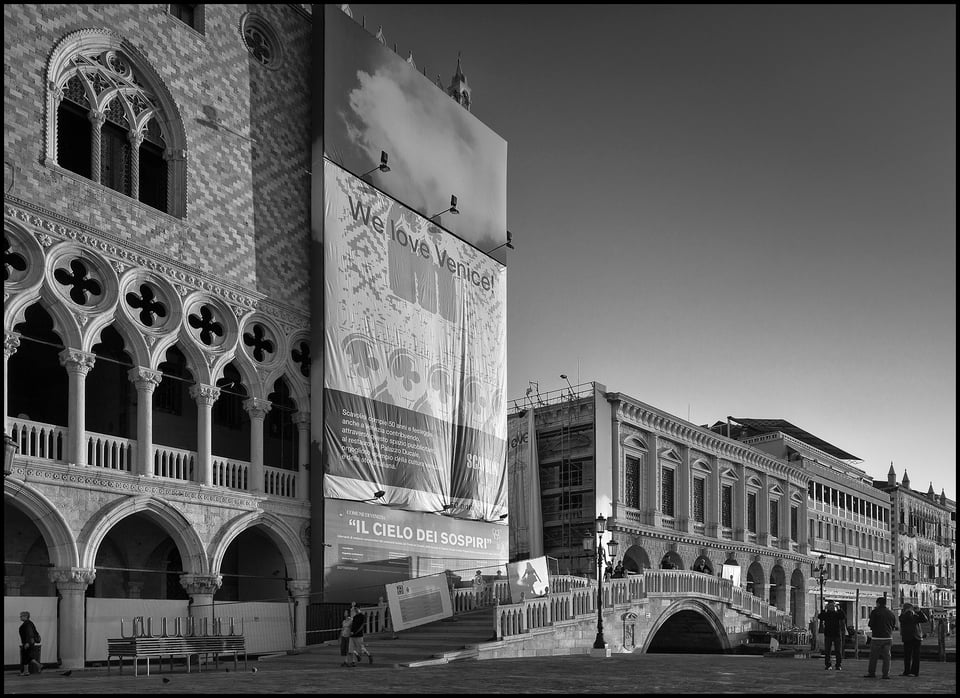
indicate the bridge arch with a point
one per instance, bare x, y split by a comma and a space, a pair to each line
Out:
689, 625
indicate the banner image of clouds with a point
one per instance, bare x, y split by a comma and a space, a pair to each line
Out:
375, 101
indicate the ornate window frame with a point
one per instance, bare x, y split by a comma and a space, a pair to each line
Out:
133, 76
256, 32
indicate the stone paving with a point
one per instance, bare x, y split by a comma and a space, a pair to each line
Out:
317, 670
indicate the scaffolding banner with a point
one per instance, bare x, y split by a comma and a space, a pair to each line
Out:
526, 517
414, 359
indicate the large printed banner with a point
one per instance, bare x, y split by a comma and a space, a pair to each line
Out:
414, 358
376, 101
367, 546
526, 517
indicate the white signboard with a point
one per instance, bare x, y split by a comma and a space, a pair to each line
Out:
417, 601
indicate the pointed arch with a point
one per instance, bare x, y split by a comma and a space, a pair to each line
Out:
276, 529
164, 514
62, 548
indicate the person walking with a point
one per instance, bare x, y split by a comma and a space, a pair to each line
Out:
912, 637
357, 647
882, 624
834, 622
345, 636
479, 590
29, 646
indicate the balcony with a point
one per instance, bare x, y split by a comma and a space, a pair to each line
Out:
47, 442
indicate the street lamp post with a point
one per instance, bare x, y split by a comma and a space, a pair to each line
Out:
589, 544
821, 567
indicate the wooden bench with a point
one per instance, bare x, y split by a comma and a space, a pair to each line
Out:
160, 647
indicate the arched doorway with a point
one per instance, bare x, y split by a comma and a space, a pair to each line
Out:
636, 559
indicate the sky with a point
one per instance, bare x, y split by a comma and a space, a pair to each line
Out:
743, 210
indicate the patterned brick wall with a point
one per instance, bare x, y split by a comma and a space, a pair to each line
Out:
247, 203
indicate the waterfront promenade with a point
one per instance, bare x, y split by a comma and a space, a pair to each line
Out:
317, 670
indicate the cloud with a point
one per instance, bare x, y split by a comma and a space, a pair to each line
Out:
436, 149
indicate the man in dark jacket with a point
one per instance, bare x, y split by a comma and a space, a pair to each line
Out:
834, 623
882, 624
912, 636
29, 645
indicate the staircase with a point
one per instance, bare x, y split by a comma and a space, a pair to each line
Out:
440, 642
449, 640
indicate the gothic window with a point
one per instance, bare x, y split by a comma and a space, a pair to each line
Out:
228, 410
774, 518
168, 396
110, 120
261, 40
698, 499
752, 512
794, 523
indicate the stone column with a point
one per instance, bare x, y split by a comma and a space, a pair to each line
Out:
300, 591
72, 583
78, 364
302, 420
257, 408
146, 380
11, 342
136, 140
97, 120
201, 588
205, 395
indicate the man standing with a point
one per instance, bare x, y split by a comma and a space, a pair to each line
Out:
882, 624
834, 628
912, 637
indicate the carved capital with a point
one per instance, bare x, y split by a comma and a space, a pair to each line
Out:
301, 419
72, 578
201, 583
257, 407
76, 361
299, 587
11, 342
135, 138
97, 118
204, 394
144, 378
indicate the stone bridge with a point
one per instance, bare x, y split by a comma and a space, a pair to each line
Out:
657, 611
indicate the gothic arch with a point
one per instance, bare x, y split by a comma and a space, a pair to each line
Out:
101, 45
164, 514
277, 530
61, 545
716, 624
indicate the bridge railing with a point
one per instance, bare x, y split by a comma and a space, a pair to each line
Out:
580, 599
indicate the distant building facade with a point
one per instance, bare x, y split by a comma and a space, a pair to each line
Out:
924, 537
674, 495
848, 520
